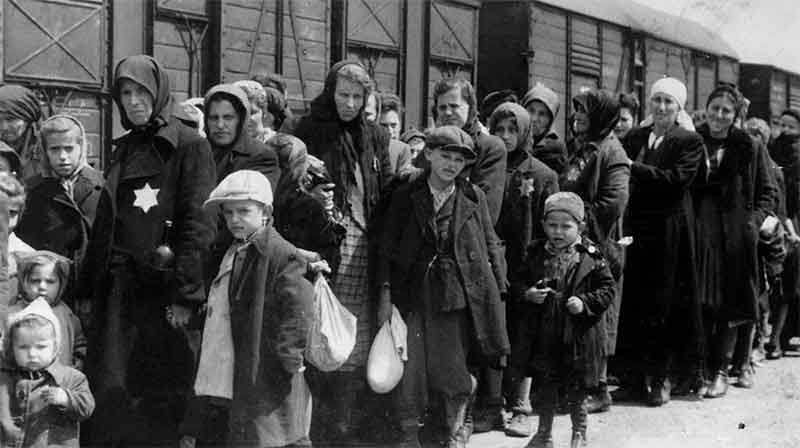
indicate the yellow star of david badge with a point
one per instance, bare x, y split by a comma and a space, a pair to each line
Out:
526, 188
146, 197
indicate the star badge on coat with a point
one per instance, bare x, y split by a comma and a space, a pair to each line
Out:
526, 188
146, 197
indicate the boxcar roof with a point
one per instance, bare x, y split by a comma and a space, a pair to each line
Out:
658, 24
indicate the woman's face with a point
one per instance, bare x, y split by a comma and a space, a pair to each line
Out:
625, 122
580, 119
136, 101
664, 109
540, 118
720, 114
451, 109
349, 99
11, 128
508, 132
789, 125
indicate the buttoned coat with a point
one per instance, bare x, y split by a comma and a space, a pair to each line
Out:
408, 245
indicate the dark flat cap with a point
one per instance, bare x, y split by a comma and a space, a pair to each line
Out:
450, 138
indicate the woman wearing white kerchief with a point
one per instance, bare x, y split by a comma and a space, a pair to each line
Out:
660, 315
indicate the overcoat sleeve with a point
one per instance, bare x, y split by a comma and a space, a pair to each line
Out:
489, 173
690, 149
766, 189
296, 297
612, 190
393, 222
195, 228
265, 161
497, 253
80, 399
601, 292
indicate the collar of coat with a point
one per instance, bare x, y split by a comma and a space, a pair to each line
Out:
585, 246
465, 196
57, 371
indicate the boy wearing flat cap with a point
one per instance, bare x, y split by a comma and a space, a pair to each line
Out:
443, 266
257, 321
567, 286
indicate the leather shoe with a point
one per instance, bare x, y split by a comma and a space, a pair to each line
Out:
660, 392
578, 440
600, 401
774, 353
745, 379
719, 386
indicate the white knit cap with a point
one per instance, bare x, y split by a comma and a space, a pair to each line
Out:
672, 87
242, 185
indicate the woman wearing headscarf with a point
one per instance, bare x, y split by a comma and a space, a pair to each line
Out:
144, 271
660, 314
20, 114
733, 193
542, 105
60, 210
599, 172
355, 152
528, 183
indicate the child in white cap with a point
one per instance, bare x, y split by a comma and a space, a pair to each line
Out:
567, 286
257, 321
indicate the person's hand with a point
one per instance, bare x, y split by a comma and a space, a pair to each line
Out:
536, 295
793, 239
575, 305
55, 396
384, 305
11, 433
178, 315
319, 267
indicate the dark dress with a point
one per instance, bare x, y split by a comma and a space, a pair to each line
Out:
733, 193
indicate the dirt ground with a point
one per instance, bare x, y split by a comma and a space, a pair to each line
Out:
767, 416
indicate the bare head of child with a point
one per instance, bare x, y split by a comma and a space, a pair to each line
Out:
33, 342
245, 198
62, 139
15, 191
563, 219
43, 275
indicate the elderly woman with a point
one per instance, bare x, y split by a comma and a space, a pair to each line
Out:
599, 172
144, 271
355, 151
733, 193
543, 104
659, 310
20, 114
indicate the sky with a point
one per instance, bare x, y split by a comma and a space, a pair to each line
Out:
763, 32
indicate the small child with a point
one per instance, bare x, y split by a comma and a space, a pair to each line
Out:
44, 275
257, 321
15, 191
568, 286
42, 400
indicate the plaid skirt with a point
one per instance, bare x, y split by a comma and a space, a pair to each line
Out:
351, 287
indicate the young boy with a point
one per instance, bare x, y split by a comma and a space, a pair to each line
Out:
43, 401
443, 266
15, 192
44, 274
567, 286
257, 321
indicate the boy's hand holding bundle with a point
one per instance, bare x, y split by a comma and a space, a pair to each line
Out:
55, 396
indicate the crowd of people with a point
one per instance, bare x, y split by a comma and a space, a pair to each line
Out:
168, 301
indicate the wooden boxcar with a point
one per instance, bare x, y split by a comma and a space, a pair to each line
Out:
618, 45
770, 89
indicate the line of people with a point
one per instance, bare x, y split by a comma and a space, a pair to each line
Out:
532, 274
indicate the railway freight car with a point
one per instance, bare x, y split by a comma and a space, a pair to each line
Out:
618, 45
770, 89
65, 49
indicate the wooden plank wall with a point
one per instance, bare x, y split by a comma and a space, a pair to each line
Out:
666, 59
794, 92
615, 59
728, 70
239, 21
169, 50
778, 94
549, 66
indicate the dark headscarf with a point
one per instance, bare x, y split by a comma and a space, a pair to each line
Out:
147, 72
347, 136
602, 108
275, 105
20, 102
522, 118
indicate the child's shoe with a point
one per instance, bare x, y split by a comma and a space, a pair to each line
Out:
578, 440
521, 425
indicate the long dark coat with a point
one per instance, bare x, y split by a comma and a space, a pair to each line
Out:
271, 312
660, 263
409, 242
489, 169
552, 151
52, 221
581, 348
743, 187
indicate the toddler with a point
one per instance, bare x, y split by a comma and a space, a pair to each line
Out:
43, 400
568, 286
